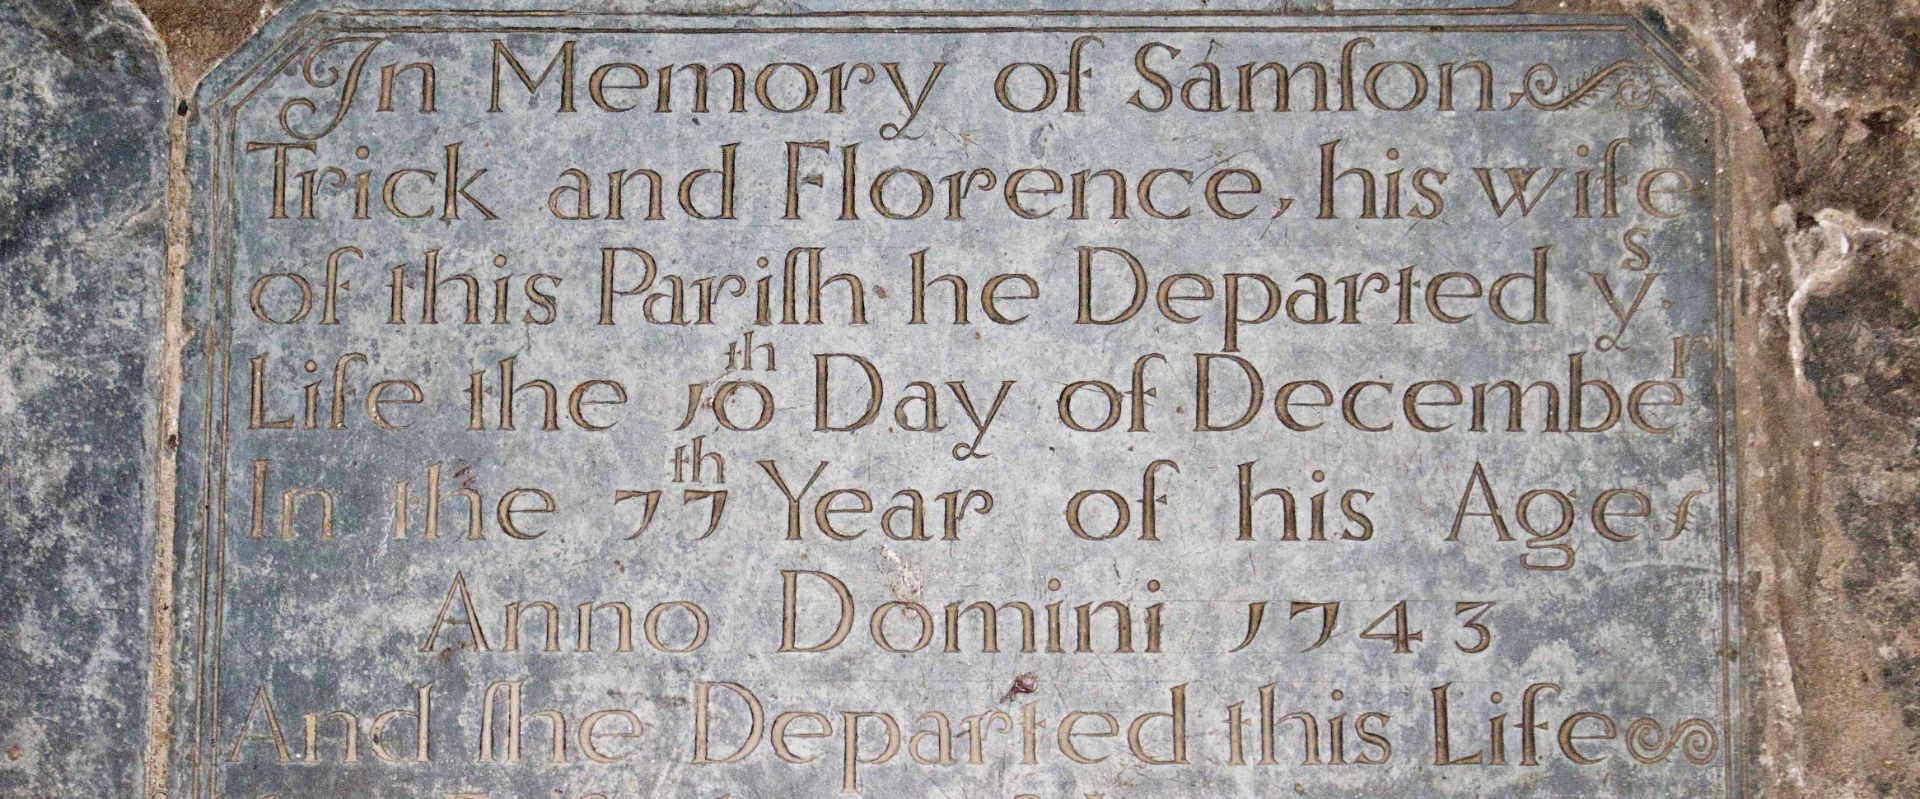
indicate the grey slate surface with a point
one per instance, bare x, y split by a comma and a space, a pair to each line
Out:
84, 104
303, 621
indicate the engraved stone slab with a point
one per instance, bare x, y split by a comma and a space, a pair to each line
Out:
84, 105
971, 404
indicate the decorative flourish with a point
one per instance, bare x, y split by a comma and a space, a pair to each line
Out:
1683, 514
1634, 86
328, 76
1696, 739
1637, 87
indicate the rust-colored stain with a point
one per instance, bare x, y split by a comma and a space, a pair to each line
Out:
1024, 684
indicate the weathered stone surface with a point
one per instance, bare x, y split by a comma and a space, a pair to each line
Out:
311, 583
85, 98
1823, 163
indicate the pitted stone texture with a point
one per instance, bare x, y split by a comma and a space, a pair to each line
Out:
84, 105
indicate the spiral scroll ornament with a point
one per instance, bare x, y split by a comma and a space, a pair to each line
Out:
1630, 85
1650, 743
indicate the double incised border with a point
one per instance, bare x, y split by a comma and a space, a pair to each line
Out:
197, 747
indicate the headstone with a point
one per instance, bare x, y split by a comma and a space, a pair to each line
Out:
84, 107
1030, 405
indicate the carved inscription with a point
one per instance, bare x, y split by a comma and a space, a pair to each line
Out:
1035, 407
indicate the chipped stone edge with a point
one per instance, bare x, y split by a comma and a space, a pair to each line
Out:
178, 234
167, 424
